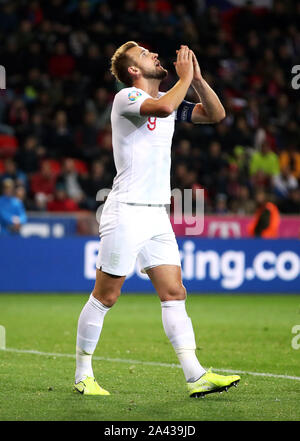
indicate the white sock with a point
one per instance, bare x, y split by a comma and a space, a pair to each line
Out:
88, 332
178, 328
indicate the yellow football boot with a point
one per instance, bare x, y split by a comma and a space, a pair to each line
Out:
210, 383
89, 386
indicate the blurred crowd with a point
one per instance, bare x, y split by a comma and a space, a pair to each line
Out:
55, 133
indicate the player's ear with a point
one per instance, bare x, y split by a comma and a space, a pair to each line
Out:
133, 70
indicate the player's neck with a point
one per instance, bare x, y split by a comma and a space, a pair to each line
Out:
149, 86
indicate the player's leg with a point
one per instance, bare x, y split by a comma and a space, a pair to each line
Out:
105, 293
178, 327
115, 258
161, 260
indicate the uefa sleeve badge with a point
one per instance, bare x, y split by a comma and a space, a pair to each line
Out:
134, 95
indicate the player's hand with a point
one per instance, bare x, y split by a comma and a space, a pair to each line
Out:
184, 63
197, 71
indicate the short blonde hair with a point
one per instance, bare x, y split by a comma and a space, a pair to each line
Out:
120, 62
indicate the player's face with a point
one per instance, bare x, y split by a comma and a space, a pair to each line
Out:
148, 63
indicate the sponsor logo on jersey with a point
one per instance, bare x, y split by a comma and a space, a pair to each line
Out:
134, 95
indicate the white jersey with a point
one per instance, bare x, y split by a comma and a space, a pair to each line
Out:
142, 151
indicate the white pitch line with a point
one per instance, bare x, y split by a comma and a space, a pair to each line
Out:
147, 363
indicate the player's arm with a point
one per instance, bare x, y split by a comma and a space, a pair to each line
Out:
209, 109
166, 104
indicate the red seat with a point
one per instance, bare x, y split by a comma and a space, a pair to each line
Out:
1, 166
8, 145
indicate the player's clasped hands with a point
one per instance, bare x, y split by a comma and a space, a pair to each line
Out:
184, 63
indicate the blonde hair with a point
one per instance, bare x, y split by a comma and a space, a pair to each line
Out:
120, 61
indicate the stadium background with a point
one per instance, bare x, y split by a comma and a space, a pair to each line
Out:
55, 135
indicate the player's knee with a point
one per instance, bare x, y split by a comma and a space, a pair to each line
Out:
176, 292
107, 298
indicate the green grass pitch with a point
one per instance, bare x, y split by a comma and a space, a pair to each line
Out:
134, 359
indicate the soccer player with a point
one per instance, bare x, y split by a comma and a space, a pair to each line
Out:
134, 223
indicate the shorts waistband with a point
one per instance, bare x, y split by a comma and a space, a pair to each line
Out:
145, 205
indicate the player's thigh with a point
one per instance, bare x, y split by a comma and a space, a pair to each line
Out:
161, 249
107, 287
167, 281
122, 235
160, 259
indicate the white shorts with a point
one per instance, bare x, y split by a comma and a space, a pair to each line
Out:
130, 233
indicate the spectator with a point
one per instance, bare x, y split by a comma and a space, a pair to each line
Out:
92, 65
291, 205
179, 175
61, 141
61, 202
264, 161
11, 171
8, 17
243, 204
24, 35
28, 156
242, 134
265, 223
215, 168
21, 194
43, 182
12, 212
224, 136
290, 158
18, 115
221, 204
37, 128
184, 152
61, 64
96, 181
101, 106
69, 180
284, 183
87, 136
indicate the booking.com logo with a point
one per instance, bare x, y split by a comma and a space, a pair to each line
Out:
228, 268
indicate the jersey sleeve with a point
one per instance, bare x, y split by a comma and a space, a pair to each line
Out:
129, 101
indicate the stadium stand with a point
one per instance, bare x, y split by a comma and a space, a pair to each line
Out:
56, 109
